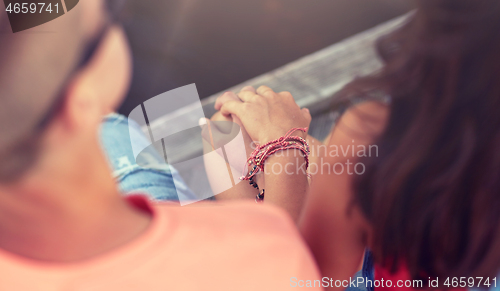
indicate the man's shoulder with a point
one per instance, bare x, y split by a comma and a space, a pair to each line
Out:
255, 240
245, 216
225, 245
251, 226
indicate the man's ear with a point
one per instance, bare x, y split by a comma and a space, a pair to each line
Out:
81, 109
107, 76
76, 121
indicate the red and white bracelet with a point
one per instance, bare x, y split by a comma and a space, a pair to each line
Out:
258, 157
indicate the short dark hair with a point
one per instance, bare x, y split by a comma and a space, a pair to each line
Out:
433, 194
33, 66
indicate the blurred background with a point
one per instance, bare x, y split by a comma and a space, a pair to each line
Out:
220, 43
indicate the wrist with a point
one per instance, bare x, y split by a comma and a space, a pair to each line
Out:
264, 157
271, 136
287, 158
258, 157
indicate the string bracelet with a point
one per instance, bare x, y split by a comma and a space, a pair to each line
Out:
257, 158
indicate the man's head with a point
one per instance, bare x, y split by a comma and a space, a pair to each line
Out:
42, 69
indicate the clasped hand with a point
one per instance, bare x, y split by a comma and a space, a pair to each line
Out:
263, 113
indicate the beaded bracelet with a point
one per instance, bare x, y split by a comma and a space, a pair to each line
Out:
263, 152
260, 196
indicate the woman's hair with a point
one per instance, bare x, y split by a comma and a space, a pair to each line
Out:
432, 195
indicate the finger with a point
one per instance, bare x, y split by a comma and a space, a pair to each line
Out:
265, 91
228, 96
219, 117
232, 107
285, 94
249, 88
247, 96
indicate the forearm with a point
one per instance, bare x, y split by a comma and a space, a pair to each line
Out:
270, 119
241, 191
286, 182
214, 164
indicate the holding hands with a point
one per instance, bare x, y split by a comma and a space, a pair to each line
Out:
265, 114
268, 118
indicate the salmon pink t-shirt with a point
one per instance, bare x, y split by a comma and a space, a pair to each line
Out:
238, 246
